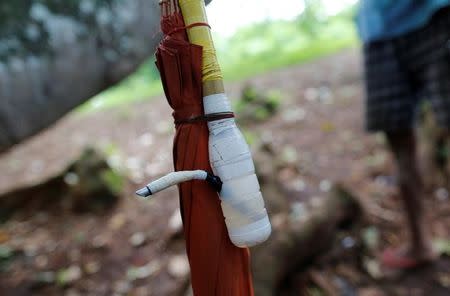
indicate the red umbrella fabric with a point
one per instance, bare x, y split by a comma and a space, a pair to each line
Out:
217, 266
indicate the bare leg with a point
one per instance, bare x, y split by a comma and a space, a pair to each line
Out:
441, 156
403, 145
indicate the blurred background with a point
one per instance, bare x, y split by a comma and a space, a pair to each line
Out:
84, 123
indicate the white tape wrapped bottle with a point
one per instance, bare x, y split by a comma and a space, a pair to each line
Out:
242, 202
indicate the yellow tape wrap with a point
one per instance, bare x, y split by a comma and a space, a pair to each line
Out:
194, 12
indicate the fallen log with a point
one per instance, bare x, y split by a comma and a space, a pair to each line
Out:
295, 243
296, 240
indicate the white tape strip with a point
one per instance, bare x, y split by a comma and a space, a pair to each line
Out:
175, 178
217, 103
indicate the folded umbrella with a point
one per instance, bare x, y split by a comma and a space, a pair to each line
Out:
217, 266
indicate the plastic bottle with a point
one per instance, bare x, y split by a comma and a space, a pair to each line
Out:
241, 199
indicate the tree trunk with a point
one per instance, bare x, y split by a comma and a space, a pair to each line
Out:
55, 55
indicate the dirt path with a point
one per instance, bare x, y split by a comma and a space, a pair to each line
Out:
319, 128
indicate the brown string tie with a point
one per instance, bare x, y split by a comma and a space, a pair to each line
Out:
206, 118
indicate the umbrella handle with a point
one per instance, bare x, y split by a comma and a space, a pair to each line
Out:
175, 178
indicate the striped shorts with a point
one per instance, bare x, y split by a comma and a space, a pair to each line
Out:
404, 71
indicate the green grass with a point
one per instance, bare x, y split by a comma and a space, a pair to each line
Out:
252, 50
264, 63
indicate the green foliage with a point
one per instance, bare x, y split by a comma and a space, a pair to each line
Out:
6, 256
256, 106
314, 291
273, 100
68, 275
110, 149
266, 46
249, 137
113, 179
312, 18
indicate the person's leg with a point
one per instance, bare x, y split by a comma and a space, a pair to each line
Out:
391, 102
403, 145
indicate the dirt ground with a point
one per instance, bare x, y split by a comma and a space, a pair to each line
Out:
136, 248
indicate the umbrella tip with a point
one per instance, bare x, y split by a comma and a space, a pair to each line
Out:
144, 192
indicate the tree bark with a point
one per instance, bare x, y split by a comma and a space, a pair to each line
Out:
55, 55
